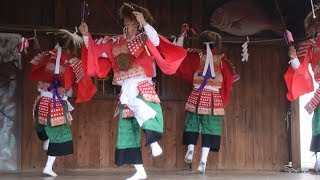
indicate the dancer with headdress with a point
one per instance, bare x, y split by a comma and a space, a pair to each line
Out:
59, 73
299, 80
212, 76
131, 57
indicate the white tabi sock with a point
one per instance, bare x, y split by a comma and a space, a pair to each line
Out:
189, 155
46, 144
140, 174
317, 165
48, 169
156, 149
204, 156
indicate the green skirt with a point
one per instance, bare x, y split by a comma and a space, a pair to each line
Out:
60, 136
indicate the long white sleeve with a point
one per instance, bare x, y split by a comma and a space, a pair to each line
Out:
295, 63
86, 43
152, 34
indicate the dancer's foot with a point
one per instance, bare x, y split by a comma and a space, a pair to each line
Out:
189, 156
317, 166
155, 149
49, 172
202, 168
138, 176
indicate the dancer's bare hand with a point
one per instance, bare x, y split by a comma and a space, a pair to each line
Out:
140, 18
292, 52
83, 28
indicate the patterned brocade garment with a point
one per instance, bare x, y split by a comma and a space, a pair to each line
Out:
45, 107
70, 74
43, 87
207, 101
135, 68
145, 88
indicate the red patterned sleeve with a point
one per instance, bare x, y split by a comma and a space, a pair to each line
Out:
167, 55
92, 60
189, 66
227, 82
38, 67
82, 84
299, 81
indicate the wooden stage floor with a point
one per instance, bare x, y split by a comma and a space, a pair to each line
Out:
165, 175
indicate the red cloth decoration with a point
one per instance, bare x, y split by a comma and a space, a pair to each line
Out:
299, 81
167, 55
43, 70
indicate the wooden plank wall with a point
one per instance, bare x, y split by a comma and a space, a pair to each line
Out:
254, 135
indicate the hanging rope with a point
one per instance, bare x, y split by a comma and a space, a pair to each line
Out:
46, 31
51, 31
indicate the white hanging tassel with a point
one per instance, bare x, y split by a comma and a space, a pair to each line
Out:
57, 67
181, 39
245, 55
209, 60
313, 13
174, 39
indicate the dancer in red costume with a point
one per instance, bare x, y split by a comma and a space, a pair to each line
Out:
131, 57
212, 77
58, 73
299, 80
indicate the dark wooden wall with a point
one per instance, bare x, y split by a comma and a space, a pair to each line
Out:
254, 133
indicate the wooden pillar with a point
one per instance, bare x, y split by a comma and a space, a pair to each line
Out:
295, 135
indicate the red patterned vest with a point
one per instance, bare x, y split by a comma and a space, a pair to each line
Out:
207, 101
132, 48
129, 48
43, 66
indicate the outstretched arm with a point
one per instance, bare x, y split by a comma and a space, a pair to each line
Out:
294, 61
86, 35
92, 53
298, 78
150, 31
